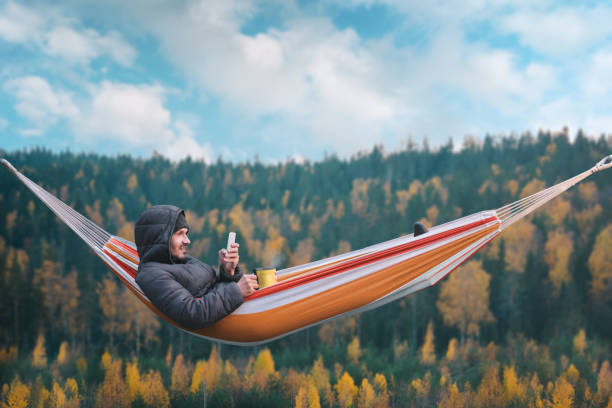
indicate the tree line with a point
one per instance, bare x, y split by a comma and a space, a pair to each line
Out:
542, 287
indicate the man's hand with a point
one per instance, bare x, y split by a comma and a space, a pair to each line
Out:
248, 284
229, 259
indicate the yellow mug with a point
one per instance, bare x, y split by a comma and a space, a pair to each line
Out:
266, 276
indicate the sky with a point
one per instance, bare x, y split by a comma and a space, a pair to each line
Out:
296, 79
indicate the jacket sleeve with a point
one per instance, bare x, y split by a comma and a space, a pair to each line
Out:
226, 277
176, 302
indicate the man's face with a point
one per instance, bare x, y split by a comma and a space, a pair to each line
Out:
178, 244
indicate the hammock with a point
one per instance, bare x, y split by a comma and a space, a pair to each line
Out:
342, 285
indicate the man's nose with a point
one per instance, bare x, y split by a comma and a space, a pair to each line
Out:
187, 241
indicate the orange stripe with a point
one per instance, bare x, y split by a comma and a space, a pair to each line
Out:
369, 258
359, 292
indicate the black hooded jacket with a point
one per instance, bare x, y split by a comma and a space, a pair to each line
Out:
189, 292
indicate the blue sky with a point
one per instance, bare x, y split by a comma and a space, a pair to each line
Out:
297, 79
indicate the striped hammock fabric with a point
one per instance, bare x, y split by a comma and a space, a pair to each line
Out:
342, 285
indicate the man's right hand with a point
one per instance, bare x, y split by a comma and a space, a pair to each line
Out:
248, 284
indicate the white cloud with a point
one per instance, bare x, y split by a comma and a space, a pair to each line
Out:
58, 35
82, 47
3, 124
135, 117
38, 102
597, 78
18, 24
132, 114
561, 32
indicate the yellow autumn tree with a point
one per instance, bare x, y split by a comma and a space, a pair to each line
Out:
303, 252
604, 382
464, 299
39, 354
580, 343
301, 399
427, 352
346, 390
557, 252
519, 241
600, 264
71, 389
136, 321
62, 355
365, 395
512, 388
153, 391
263, 368
58, 396
15, 395
179, 382
108, 296
490, 391
452, 351
563, 394
112, 393
132, 379
353, 351
381, 393
320, 378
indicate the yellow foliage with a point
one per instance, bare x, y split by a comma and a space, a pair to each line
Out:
93, 213
8, 354
422, 387
558, 210
400, 350
353, 350
359, 196
11, 219
532, 187
72, 391
486, 186
427, 352
301, 399
587, 191
179, 382
365, 395
62, 355
132, 380
490, 390
106, 360
39, 354
108, 294
132, 183
16, 395
303, 252
600, 264
112, 393
381, 399
604, 380
198, 376
512, 187
557, 254
153, 391
563, 394
432, 214
512, 388
313, 397
572, 374
264, 362
346, 390
464, 298
343, 248
58, 396
337, 330
273, 248
519, 241
319, 377
451, 352
580, 343
188, 188
81, 365
293, 381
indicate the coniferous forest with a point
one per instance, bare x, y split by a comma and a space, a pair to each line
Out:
538, 334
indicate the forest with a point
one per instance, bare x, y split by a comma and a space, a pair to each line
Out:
535, 332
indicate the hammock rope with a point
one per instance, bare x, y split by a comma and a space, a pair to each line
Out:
345, 284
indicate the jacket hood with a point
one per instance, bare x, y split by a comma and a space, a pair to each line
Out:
153, 232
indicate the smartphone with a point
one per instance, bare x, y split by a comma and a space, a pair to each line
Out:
231, 238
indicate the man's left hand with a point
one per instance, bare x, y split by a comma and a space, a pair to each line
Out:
229, 259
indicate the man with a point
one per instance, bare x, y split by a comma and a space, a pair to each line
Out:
185, 289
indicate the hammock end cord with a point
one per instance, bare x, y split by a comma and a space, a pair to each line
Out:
603, 164
8, 165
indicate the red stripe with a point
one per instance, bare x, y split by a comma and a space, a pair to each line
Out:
125, 266
122, 245
367, 259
